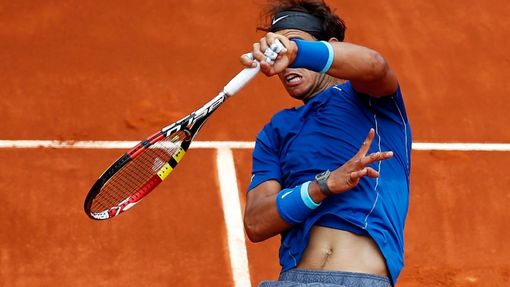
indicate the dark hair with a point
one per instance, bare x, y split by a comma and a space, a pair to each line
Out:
332, 25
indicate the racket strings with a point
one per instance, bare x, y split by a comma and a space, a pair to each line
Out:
137, 173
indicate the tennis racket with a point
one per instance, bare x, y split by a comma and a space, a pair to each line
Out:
137, 172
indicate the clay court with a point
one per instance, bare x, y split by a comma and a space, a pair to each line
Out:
74, 71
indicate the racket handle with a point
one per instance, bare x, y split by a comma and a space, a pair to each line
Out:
241, 79
246, 75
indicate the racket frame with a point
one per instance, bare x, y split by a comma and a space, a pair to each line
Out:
190, 125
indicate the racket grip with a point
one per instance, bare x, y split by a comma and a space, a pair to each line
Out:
245, 76
241, 79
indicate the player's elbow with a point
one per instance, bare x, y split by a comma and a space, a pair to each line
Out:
253, 230
377, 67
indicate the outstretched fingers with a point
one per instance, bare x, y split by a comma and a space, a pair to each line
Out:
357, 175
375, 157
362, 159
349, 174
366, 144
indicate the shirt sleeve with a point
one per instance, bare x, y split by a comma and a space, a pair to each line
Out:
399, 99
389, 100
266, 163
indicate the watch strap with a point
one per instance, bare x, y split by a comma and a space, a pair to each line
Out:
322, 179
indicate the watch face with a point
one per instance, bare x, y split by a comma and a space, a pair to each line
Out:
323, 175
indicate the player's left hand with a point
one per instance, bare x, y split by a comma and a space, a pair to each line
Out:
349, 174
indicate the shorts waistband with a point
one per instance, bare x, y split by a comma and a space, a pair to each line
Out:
341, 278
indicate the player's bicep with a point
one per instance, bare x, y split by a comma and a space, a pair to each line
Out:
261, 196
261, 218
266, 189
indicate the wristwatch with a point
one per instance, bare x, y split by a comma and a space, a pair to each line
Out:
322, 179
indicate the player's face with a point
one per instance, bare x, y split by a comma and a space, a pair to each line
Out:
301, 84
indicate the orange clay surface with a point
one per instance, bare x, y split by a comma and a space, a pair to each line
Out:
119, 70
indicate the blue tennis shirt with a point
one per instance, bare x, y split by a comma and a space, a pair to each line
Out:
324, 133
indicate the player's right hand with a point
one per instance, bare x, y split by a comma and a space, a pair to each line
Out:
261, 52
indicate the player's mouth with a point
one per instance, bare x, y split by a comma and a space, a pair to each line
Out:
293, 79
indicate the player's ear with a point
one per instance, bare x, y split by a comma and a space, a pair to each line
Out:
333, 39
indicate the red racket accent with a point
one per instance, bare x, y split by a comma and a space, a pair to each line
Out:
136, 197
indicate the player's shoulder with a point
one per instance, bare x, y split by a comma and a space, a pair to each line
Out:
281, 124
345, 87
285, 116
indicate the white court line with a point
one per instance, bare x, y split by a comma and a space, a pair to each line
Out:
462, 146
233, 217
114, 144
229, 144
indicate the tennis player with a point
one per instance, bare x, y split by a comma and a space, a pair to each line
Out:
330, 176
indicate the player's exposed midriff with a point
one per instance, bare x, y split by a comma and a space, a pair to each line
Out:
338, 250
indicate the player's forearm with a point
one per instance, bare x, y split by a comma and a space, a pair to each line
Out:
367, 70
354, 62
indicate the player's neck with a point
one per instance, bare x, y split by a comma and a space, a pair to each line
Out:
324, 82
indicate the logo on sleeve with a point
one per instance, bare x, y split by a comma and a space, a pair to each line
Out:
287, 193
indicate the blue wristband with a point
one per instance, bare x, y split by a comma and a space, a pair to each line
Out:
293, 205
313, 55
305, 196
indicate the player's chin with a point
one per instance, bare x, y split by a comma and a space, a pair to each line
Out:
298, 93
296, 89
